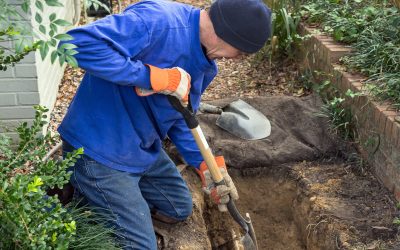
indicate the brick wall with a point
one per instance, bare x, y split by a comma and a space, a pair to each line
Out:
377, 125
32, 81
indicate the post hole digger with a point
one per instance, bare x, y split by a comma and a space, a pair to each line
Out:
248, 241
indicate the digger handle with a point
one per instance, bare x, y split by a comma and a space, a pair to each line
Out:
200, 139
207, 155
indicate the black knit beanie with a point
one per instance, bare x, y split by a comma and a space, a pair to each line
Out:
244, 24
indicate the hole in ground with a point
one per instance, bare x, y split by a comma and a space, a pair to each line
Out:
308, 206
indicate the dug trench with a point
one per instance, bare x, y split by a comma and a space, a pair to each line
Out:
302, 186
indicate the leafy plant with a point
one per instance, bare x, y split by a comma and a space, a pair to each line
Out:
284, 37
45, 32
344, 20
284, 30
371, 27
339, 115
29, 218
377, 54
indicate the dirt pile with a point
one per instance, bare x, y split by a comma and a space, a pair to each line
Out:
297, 133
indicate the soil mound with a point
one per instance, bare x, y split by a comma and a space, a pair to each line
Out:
297, 133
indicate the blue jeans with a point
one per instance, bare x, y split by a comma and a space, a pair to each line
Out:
131, 197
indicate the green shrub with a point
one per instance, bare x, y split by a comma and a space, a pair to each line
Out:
29, 218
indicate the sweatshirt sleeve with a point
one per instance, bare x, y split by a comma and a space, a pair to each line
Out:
183, 139
107, 49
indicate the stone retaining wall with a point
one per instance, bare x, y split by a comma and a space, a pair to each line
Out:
377, 124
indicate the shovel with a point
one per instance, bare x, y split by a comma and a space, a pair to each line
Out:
240, 119
248, 241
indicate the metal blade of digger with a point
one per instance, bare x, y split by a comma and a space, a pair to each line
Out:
240, 119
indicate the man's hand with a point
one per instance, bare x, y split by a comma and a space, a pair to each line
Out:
222, 193
173, 81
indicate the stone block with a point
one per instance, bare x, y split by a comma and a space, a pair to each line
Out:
8, 99
382, 122
11, 125
18, 85
336, 52
9, 73
17, 112
13, 136
25, 70
389, 115
28, 59
28, 98
396, 133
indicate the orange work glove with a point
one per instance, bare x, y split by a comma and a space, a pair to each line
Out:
219, 194
173, 81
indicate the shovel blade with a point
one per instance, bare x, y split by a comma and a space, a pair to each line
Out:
248, 243
241, 119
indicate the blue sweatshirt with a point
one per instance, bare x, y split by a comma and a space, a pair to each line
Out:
114, 125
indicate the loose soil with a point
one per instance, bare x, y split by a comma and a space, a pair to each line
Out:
303, 187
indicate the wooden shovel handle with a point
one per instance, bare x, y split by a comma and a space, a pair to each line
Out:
198, 135
207, 154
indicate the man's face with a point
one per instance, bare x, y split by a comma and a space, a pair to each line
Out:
225, 50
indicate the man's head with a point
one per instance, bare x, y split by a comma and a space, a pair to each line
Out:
243, 24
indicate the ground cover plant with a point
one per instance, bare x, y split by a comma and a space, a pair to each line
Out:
372, 28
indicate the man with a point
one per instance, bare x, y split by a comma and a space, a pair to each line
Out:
121, 113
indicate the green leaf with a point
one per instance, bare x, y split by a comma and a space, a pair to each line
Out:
61, 59
32, 188
79, 151
53, 27
52, 17
71, 227
63, 37
39, 5
71, 52
38, 18
53, 42
42, 29
44, 49
54, 3
37, 182
12, 32
53, 56
68, 46
62, 22
25, 6
72, 61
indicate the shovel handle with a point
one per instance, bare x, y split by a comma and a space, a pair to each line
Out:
199, 137
207, 154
